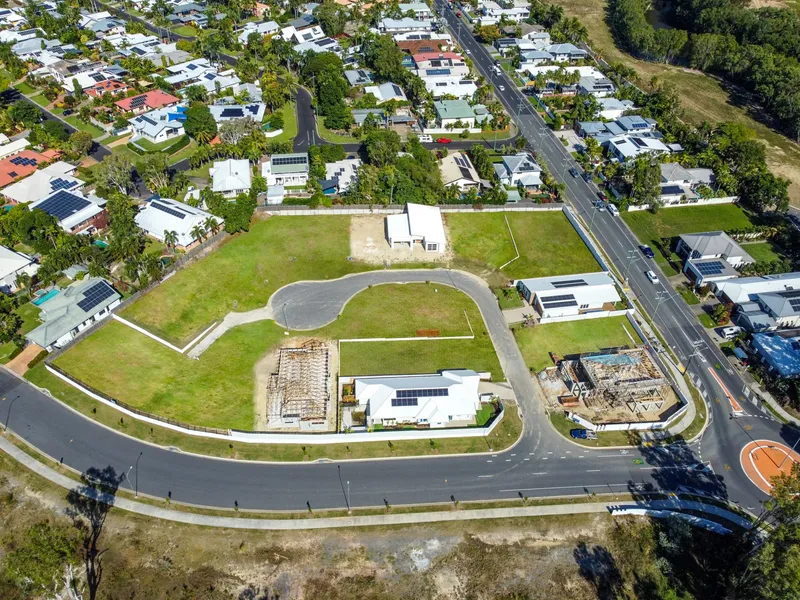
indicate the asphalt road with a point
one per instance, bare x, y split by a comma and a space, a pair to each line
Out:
541, 464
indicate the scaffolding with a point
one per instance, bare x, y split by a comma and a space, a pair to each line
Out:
300, 389
608, 381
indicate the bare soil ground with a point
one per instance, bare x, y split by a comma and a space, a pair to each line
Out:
368, 243
482, 560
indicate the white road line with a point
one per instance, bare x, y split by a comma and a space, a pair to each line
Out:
488, 461
592, 470
564, 487
542, 473
485, 476
526, 459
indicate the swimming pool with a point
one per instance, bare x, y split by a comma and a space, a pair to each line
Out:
44, 298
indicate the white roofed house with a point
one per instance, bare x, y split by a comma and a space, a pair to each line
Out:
41, 183
566, 52
158, 125
164, 214
231, 177
568, 297
261, 29
404, 25
386, 91
446, 399
450, 86
711, 256
77, 307
681, 185
228, 112
286, 169
420, 9
628, 147
457, 169
519, 170
343, 172
418, 225
12, 265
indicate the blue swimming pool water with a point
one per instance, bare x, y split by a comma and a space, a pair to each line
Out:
42, 299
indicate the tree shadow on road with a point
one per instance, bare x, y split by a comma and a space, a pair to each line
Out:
598, 567
89, 505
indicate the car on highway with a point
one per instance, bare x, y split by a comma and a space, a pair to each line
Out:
583, 434
426, 138
652, 277
613, 210
443, 140
647, 251
501, 88
573, 171
466, 50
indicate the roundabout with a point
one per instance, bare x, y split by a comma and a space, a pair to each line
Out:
763, 460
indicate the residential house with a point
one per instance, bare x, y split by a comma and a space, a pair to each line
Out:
360, 116
566, 52
447, 399
533, 58
450, 86
492, 13
231, 177
160, 125
262, 29
747, 289
456, 113
325, 44
711, 256
148, 101
104, 27
10, 18
359, 77
441, 64
404, 25
457, 169
343, 173
681, 185
110, 86
420, 10
9, 148
228, 112
65, 315
286, 169
41, 183
519, 170
611, 108
418, 225
12, 265
412, 47
74, 211
161, 214
780, 352
386, 91
22, 164
570, 295
599, 88
432, 37
626, 147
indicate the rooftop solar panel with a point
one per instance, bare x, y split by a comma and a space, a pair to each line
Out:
795, 304
138, 101
95, 295
404, 402
711, 268
563, 304
568, 283
289, 160
557, 298
63, 204
168, 210
62, 184
791, 294
232, 113
423, 393
13, 173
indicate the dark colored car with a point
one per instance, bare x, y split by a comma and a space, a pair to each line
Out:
602, 195
583, 434
647, 251
67, 112
587, 177
443, 140
573, 171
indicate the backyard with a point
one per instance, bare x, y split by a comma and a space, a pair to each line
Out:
572, 337
704, 98
547, 243
649, 228
218, 391
29, 313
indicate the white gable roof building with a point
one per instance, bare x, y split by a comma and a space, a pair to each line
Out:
419, 224
12, 264
570, 295
163, 214
441, 400
41, 183
231, 177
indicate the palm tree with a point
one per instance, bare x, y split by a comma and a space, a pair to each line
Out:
24, 281
170, 239
198, 233
211, 224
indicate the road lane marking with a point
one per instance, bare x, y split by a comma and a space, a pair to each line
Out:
564, 487
481, 476
592, 470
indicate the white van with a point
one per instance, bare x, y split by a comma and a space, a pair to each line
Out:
612, 209
425, 138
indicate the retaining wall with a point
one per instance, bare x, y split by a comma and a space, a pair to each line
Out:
726, 200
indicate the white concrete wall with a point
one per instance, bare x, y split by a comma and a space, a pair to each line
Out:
725, 200
592, 315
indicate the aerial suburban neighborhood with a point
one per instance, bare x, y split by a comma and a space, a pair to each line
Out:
481, 299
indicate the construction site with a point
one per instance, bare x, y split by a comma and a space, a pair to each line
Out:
298, 390
619, 386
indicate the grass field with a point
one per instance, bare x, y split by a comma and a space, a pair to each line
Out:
24, 88
218, 391
40, 100
30, 319
289, 124
703, 97
571, 337
244, 273
331, 136
762, 251
649, 228
186, 30
547, 242
81, 126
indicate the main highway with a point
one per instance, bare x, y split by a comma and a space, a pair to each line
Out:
541, 464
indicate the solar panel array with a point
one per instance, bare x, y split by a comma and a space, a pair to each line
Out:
791, 294
461, 161
710, 268
168, 210
289, 160
63, 204
95, 295
424, 393
795, 304
559, 301
232, 113
404, 402
561, 304
569, 283
397, 90
24, 161
62, 184
253, 108
138, 101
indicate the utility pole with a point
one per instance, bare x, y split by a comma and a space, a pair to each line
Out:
697, 345
632, 256
661, 297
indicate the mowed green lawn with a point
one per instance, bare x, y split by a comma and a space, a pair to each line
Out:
217, 390
244, 273
762, 251
649, 228
572, 337
30, 319
547, 242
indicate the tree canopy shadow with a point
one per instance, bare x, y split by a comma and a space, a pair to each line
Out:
89, 505
598, 566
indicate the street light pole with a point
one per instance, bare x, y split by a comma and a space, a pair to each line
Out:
136, 484
661, 297
632, 255
787, 456
349, 510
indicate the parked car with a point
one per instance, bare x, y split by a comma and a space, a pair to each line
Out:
458, 14
612, 209
443, 140
652, 277
583, 434
587, 177
426, 138
67, 112
647, 251
730, 332
602, 195
466, 50
573, 171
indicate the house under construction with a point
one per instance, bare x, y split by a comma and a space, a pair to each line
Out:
298, 394
611, 381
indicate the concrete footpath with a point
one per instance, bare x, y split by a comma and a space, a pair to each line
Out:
235, 522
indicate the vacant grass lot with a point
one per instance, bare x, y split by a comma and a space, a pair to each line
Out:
244, 272
217, 390
763, 251
547, 242
649, 228
571, 337
704, 98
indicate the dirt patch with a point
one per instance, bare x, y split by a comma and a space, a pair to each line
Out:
19, 364
767, 4
119, 142
368, 243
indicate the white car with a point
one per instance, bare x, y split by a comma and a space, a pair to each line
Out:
466, 50
612, 209
652, 277
502, 88
426, 138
